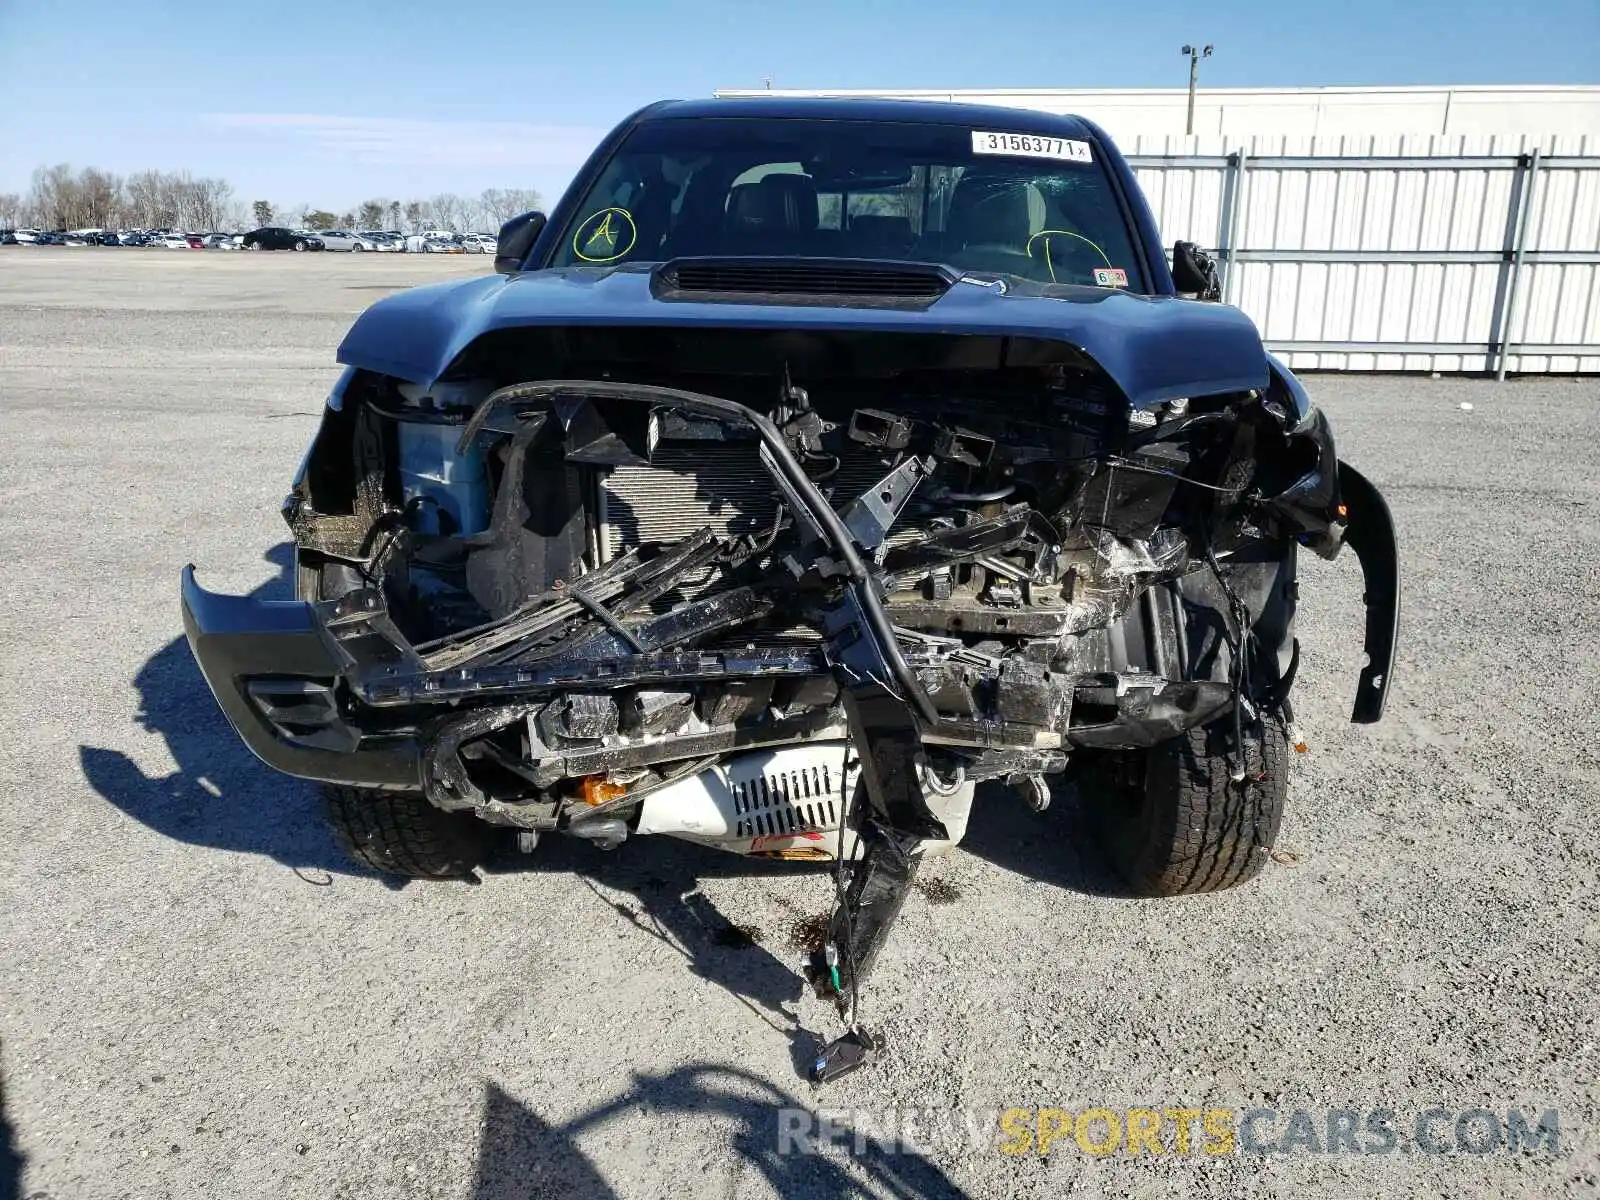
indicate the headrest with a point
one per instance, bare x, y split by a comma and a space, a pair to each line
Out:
778, 202
990, 211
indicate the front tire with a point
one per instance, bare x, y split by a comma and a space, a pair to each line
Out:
299, 245
357, 248
400, 833
1175, 823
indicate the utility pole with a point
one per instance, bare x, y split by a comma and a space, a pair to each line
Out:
1194, 77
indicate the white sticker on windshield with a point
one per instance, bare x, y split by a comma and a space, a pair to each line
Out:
1030, 145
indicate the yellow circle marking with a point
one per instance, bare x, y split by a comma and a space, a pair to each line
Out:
607, 235
1047, 234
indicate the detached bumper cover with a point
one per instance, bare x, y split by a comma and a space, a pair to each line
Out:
254, 654
1370, 533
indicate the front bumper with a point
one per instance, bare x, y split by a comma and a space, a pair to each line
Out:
325, 691
244, 645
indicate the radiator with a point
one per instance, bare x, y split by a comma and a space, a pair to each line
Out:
720, 484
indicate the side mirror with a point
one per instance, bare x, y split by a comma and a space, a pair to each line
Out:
516, 239
1193, 271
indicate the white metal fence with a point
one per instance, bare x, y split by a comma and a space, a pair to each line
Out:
1396, 254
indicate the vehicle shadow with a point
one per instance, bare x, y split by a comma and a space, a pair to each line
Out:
522, 1156
1058, 846
219, 796
11, 1158
656, 889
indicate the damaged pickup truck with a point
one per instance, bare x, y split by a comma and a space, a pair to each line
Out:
813, 463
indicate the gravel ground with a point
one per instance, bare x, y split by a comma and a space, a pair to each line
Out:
201, 997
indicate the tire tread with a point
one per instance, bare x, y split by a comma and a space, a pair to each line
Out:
400, 833
1191, 829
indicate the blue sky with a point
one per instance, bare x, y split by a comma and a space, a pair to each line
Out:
332, 103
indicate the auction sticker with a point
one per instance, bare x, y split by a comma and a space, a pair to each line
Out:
1030, 145
605, 236
1110, 277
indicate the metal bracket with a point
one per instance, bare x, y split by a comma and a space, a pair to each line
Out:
870, 515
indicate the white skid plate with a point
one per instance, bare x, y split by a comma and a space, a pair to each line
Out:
783, 803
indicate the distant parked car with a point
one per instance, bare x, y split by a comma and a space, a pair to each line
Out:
175, 241
197, 241
8, 237
343, 239
26, 237
275, 237
417, 243
134, 237
220, 241
383, 243
478, 243
51, 239
448, 244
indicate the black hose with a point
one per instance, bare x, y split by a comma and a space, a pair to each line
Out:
999, 493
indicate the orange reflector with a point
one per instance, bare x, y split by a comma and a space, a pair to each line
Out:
597, 789
1343, 511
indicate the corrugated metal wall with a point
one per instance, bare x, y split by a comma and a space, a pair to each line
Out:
1418, 253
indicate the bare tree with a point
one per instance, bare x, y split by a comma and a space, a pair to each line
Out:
499, 205
60, 197
98, 198
449, 212
160, 199
212, 198
51, 195
143, 201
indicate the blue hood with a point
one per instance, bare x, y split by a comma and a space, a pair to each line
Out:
1155, 348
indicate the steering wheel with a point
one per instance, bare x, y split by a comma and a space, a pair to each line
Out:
1062, 249
1007, 260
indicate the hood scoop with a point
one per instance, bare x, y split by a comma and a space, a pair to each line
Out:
788, 279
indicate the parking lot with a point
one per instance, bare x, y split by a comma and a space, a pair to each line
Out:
201, 997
